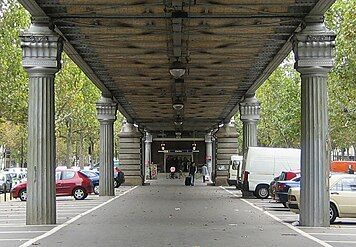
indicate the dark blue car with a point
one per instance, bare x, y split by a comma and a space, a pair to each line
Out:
94, 177
282, 188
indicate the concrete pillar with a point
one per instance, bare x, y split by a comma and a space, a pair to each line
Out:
130, 154
209, 153
106, 113
42, 50
313, 49
148, 142
249, 115
226, 147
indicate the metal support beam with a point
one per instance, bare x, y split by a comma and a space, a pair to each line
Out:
42, 50
313, 48
106, 113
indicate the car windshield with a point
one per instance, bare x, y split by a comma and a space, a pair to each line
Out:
296, 179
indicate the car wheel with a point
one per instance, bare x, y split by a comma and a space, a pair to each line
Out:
79, 194
262, 191
285, 204
96, 189
23, 195
333, 213
116, 184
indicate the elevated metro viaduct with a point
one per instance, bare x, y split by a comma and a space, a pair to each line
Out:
177, 68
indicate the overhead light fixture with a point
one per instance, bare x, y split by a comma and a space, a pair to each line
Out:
221, 124
178, 120
178, 105
194, 146
163, 146
177, 70
135, 125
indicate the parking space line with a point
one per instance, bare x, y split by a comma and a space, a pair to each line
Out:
321, 242
341, 241
57, 228
14, 239
9, 232
332, 234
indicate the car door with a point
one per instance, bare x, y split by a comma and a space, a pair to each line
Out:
344, 194
59, 186
68, 182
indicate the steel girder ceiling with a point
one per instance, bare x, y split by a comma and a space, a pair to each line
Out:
127, 47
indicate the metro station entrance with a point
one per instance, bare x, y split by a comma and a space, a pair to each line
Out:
179, 160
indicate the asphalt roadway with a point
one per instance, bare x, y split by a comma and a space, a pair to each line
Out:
167, 213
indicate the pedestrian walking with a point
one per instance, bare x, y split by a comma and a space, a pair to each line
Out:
192, 171
204, 172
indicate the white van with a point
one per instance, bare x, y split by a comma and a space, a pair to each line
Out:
263, 164
234, 169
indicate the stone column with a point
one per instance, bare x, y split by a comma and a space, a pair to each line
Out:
313, 49
209, 153
226, 147
42, 50
148, 142
130, 154
249, 115
106, 113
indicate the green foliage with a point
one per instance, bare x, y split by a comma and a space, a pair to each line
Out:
13, 79
342, 82
280, 108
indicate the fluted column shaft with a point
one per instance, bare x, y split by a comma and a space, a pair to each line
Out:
313, 50
209, 153
249, 115
106, 112
106, 169
41, 54
148, 143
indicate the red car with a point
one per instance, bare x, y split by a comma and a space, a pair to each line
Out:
68, 183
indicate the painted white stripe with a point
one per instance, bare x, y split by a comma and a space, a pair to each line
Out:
342, 242
332, 234
9, 232
57, 228
24, 225
14, 239
304, 234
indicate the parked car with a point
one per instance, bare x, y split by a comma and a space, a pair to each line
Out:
5, 182
284, 176
94, 177
342, 196
282, 188
262, 165
68, 183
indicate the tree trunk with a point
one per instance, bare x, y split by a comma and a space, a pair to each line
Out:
81, 158
69, 143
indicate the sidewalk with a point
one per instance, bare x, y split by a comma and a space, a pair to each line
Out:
167, 213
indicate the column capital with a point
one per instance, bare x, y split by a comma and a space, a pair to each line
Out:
106, 110
42, 49
148, 137
250, 109
314, 47
208, 138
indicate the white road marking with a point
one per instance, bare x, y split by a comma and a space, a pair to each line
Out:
323, 243
332, 234
57, 228
341, 242
9, 232
15, 239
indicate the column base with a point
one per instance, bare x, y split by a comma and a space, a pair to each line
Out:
134, 181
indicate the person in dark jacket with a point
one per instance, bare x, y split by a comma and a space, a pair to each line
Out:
192, 171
